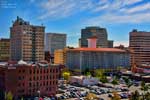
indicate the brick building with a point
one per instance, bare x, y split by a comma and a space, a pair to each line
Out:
24, 79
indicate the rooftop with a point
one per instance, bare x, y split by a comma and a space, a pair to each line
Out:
98, 49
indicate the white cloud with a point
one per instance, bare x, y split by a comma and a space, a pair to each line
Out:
130, 2
115, 11
143, 7
112, 18
63, 8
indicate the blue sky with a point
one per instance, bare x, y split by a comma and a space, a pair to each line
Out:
70, 16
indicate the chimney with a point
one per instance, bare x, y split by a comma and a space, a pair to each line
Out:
92, 42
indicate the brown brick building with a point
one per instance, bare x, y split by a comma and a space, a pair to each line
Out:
4, 49
25, 79
27, 41
140, 45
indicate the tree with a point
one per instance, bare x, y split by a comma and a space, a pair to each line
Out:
9, 96
147, 96
115, 96
91, 96
88, 74
135, 96
145, 88
66, 75
114, 82
128, 82
22, 98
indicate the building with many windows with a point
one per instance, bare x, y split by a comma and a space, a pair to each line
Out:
26, 41
96, 58
100, 33
4, 49
140, 45
25, 80
55, 41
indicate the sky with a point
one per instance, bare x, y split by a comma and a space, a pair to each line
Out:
119, 17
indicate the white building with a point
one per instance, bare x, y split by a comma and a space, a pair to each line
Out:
84, 80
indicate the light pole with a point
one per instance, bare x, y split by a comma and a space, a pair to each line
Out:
39, 93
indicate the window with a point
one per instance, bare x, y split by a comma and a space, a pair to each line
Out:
30, 84
30, 71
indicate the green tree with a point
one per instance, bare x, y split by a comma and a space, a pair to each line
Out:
135, 96
147, 96
9, 96
66, 75
114, 82
128, 82
145, 88
88, 73
22, 98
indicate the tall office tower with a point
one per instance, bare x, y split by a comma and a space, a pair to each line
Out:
26, 41
140, 44
55, 41
100, 33
110, 43
4, 49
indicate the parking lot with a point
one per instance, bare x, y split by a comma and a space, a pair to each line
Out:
76, 92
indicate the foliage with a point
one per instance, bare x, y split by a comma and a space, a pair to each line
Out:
114, 82
142, 85
66, 74
115, 96
91, 96
128, 82
147, 96
88, 74
104, 79
9, 96
135, 96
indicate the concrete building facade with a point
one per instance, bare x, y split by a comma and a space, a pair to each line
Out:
140, 45
26, 41
95, 58
100, 33
55, 41
4, 49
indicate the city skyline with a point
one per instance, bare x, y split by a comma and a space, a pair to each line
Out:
69, 16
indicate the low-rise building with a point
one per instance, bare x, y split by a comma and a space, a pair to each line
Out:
83, 80
23, 79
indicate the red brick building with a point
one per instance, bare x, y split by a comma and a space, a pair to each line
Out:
26, 79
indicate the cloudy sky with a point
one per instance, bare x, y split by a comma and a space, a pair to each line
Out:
70, 16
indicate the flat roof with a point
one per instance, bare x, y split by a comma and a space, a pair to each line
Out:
98, 49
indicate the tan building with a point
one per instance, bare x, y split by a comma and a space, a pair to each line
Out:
27, 41
4, 49
140, 45
60, 56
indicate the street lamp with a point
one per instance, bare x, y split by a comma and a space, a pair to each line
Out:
39, 92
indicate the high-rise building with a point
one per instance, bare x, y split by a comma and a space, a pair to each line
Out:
100, 33
4, 49
140, 45
26, 41
55, 41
